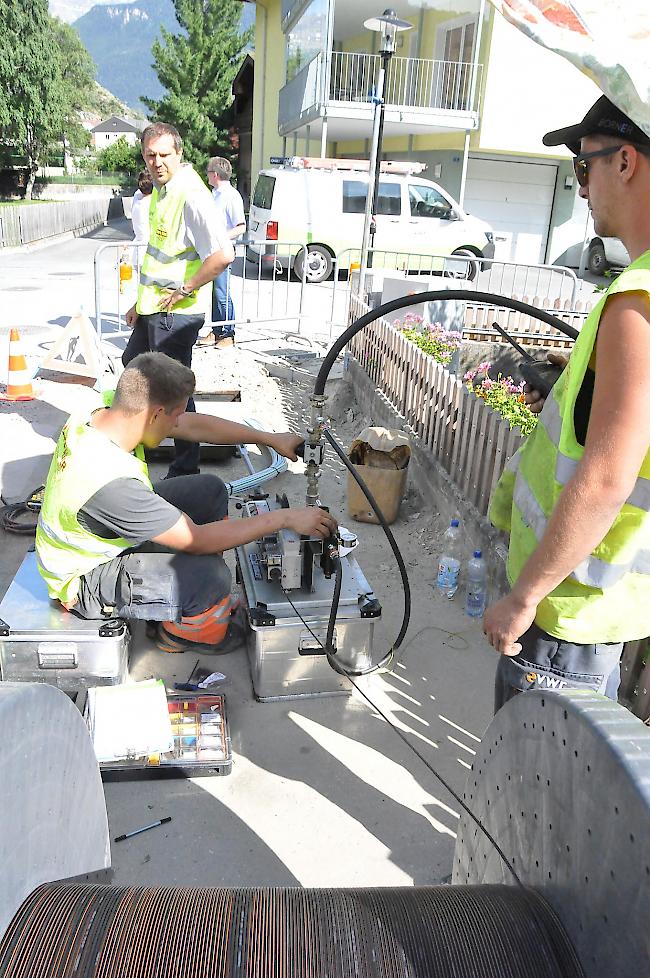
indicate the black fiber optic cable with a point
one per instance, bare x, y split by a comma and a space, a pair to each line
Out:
319, 390
398, 557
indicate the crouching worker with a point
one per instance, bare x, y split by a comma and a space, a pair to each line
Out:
109, 542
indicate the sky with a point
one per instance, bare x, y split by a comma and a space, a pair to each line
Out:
69, 10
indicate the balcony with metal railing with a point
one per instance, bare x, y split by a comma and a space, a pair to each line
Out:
412, 82
420, 92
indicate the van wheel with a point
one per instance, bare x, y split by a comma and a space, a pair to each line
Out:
466, 270
319, 264
596, 259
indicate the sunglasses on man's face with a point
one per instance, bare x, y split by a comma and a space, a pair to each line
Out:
581, 162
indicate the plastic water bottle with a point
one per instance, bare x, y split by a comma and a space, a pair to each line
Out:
476, 586
449, 562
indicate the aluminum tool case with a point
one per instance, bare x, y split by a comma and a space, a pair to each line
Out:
41, 642
286, 659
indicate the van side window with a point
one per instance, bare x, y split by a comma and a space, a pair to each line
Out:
354, 198
427, 202
264, 188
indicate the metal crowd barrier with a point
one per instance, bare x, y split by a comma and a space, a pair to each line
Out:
260, 285
265, 293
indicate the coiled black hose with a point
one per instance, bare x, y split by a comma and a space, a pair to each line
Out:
319, 390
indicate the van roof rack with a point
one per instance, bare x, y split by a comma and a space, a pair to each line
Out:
324, 163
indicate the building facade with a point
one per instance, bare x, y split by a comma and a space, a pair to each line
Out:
466, 93
108, 132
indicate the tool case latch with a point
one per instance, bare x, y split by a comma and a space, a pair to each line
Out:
369, 607
112, 628
260, 615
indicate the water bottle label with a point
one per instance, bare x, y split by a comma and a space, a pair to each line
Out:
476, 600
448, 571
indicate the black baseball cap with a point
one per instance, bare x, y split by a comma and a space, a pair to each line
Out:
602, 119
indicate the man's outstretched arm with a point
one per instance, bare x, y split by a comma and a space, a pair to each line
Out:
218, 431
212, 538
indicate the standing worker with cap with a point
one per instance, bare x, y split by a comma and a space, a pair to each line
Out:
231, 206
575, 498
188, 248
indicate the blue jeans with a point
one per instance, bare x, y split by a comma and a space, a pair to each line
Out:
155, 584
222, 305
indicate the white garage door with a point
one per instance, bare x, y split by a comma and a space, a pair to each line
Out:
516, 199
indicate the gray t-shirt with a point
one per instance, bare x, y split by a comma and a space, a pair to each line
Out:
127, 508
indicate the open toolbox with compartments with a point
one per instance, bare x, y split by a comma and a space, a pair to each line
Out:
201, 740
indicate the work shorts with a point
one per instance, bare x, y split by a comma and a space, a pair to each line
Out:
546, 662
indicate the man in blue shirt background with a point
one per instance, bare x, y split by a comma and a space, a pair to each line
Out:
230, 203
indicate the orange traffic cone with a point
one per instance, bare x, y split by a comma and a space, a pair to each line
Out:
19, 381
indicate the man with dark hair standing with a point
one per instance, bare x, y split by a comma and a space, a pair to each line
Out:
231, 207
576, 496
188, 248
110, 543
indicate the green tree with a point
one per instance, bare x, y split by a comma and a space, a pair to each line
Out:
37, 100
31, 91
78, 80
119, 157
196, 68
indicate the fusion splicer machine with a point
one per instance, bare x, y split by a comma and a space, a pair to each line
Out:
289, 584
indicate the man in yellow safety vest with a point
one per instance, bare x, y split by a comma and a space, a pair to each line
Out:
188, 248
576, 497
109, 542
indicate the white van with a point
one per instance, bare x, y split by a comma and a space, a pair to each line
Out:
321, 203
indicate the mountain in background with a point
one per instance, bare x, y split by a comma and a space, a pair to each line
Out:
119, 37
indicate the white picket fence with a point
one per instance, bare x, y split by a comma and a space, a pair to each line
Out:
479, 317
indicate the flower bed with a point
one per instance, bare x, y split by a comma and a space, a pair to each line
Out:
432, 338
502, 394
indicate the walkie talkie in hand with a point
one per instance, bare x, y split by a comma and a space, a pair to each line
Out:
540, 375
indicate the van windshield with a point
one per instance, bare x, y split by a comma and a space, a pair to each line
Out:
354, 197
264, 188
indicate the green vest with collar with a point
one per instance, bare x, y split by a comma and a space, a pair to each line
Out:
84, 461
169, 261
607, 597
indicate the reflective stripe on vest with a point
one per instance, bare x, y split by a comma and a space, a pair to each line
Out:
84, 462
606, 598
168, 262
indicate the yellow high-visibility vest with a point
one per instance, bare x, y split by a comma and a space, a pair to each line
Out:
169, 262
607, 597
84, 461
